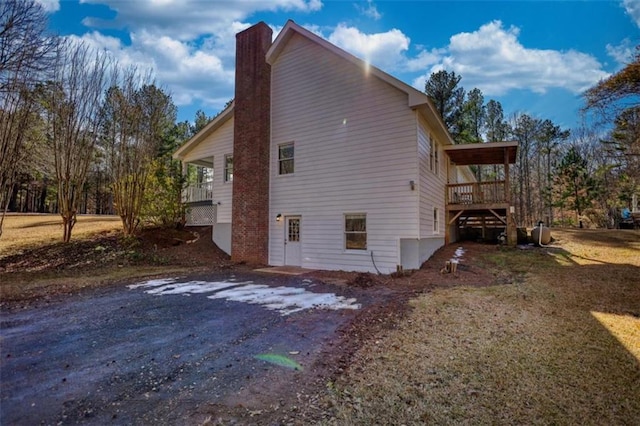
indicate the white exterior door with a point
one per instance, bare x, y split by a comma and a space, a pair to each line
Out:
292, 245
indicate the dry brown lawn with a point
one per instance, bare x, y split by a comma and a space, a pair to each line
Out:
36, 264
556, 339
558, 344
22, 231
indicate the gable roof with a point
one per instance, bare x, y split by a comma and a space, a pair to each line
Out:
416, 99
211, 127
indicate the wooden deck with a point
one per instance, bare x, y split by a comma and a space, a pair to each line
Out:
477, 196
481, 206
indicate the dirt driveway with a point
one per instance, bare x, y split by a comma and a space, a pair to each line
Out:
154, 354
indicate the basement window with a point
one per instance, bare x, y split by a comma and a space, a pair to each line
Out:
355, 231
228, 168
285, 158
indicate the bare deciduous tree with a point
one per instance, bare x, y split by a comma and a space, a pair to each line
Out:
26, 53
616, 93
72, 109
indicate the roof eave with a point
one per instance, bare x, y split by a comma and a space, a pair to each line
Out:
214, 124
483, 153
415, 98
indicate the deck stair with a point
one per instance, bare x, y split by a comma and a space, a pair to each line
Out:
481, 225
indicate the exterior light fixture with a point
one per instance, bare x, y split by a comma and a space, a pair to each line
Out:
278, 217
412, 184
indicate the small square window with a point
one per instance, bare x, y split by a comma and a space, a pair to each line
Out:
228, 168
355, 231
285, 158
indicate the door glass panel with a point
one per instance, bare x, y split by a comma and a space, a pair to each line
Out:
294, 230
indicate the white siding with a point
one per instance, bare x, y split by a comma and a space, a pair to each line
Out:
465, 175
355, 152
215, 146
432, 185
453, 171
432, 190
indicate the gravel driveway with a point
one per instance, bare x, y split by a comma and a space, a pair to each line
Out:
178, 351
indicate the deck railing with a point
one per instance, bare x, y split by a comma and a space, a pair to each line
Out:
198, 192
477, 193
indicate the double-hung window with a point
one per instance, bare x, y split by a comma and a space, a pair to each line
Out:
433, 155
285, 158
228, 168
355, 231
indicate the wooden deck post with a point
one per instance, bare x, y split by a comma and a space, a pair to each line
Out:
512, 235
484, 227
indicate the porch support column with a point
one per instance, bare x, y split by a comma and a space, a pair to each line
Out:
447, 224
484, 227
512, 236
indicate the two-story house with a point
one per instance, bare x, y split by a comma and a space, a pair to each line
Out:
326, 162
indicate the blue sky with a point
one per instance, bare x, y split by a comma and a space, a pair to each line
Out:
534, 57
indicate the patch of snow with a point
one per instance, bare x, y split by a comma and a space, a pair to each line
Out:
153, 283
192, 287
285, 300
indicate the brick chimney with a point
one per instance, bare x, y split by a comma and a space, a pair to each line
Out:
252, 131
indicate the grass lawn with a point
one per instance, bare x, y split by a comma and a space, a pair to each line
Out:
559, 345
556, 342
35, 263
22, 231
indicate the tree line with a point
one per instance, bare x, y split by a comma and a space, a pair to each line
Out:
80, 133
567, 177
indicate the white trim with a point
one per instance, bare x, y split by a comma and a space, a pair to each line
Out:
344, 233
225, 178
222, 118
293, 158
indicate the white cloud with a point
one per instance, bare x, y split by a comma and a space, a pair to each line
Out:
385, 50
622, 53
49, 6
633, 10
490, 58
188, 19
190, 74
189, 44
493, 60
370, 10
424, 59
